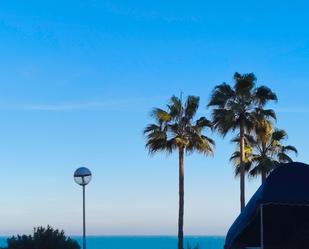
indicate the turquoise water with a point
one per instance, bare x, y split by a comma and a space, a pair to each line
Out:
146, 242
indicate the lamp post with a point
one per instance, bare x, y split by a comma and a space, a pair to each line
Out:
82, 176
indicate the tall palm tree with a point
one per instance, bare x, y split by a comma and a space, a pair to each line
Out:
267, 150
237, 108
175, 129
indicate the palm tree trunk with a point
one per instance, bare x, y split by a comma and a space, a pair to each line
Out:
242, 167
181, 198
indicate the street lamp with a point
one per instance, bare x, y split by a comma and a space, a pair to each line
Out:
82, 176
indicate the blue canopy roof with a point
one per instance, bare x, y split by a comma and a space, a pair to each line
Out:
284, 188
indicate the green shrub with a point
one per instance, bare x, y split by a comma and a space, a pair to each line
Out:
42, 238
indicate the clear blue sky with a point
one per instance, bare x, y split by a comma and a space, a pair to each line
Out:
79, 78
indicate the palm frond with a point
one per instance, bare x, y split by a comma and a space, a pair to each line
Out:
235, 139
157, 144
267, 114
284, 158
235, 157
289, 148
244, 83
202, 123
224, 120
196, 140
220, 95
264, 165
249, 121
175, 106
160, 115
279, 135
191, 106
237, 169
151, 128
263, 131
263, 94
202, 144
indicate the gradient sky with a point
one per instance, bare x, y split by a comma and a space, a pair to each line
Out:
79, 78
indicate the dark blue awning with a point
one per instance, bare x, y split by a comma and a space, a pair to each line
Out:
285, 196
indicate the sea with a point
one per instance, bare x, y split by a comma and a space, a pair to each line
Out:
146, 242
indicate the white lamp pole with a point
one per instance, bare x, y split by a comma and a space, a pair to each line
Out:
82, 176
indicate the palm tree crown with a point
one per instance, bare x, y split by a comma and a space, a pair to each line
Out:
175, 128
267, 149
240, 104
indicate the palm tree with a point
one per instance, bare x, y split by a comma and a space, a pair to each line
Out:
237, 108
267, 150
174, 129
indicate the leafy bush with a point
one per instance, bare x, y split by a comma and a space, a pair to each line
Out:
42, 238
